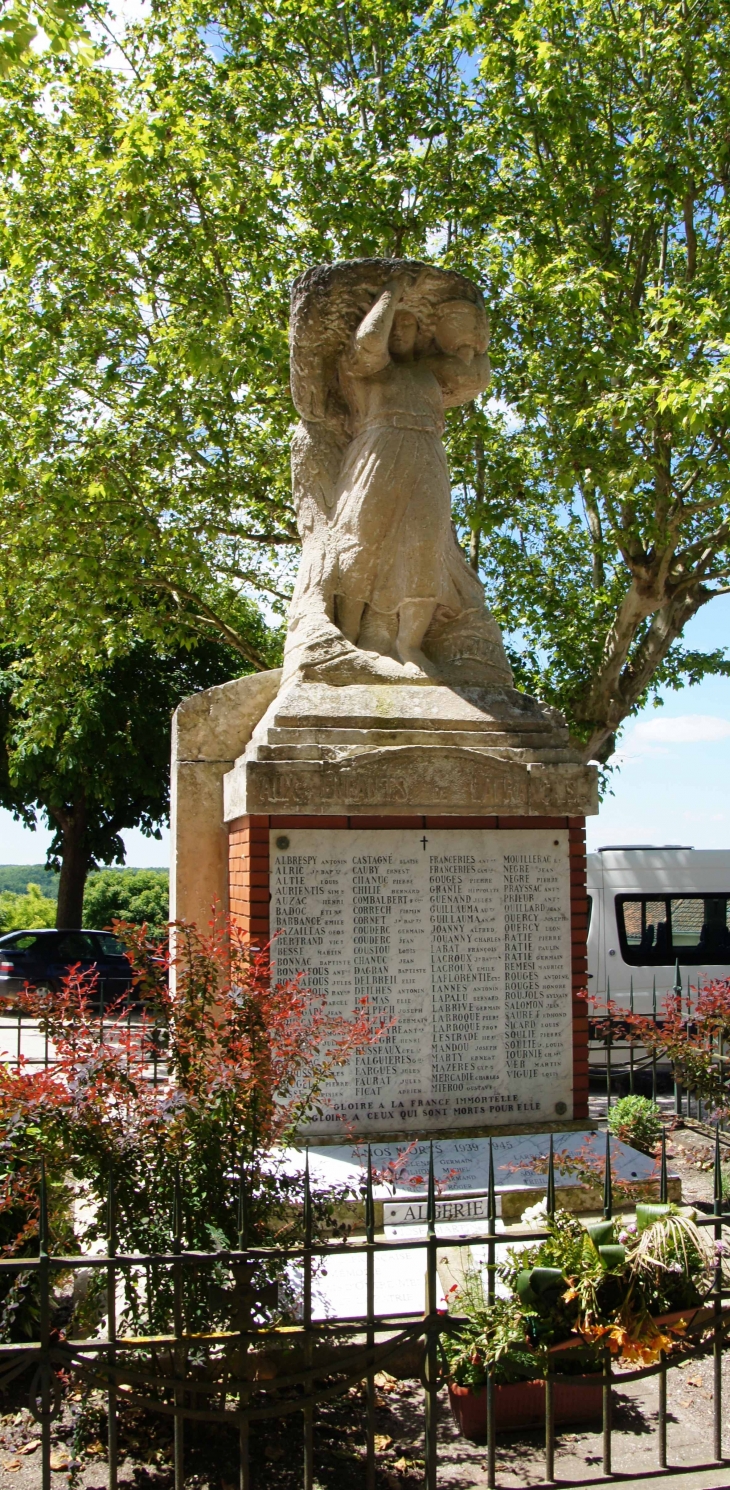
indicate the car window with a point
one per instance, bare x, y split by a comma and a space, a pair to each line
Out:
109, 944
691, 929
75, 947
24, 941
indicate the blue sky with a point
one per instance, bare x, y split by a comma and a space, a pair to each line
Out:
671, 787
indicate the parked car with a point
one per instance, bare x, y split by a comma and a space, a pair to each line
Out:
44, 958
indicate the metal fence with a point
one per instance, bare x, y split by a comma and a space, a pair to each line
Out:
25, 1042
622, 1066
161, 1374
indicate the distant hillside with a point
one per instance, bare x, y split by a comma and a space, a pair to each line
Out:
17, 877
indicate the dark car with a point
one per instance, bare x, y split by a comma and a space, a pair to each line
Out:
44, 957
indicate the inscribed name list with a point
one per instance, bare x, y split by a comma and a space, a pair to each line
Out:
460, 942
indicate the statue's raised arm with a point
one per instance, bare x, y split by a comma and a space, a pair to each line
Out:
369, 352
379, 350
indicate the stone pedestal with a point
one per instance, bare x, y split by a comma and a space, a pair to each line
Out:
396, 747
424, 847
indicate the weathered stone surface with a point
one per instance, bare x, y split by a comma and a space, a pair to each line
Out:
322, 749
218, 723
208, 731
402, 706
461, 1166
447, 779
379, 349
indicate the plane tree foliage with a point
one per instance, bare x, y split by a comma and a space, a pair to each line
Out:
158, 199
599, 152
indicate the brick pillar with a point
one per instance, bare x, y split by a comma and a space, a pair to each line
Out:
248, 881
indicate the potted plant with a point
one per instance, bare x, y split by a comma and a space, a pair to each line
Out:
630, 1287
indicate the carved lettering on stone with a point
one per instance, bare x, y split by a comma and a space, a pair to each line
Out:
462, 938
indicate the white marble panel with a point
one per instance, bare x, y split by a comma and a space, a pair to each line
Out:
461, 1165
461, 938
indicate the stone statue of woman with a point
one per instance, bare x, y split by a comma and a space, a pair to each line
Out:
379, 350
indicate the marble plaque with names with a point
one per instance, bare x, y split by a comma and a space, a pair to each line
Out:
461, 1165
462, 939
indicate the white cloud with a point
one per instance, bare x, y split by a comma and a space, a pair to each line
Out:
683, 729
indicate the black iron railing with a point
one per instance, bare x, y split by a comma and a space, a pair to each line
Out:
154, 1372
626, 1065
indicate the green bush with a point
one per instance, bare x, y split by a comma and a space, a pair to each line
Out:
135, 895
637, 1121
32, 911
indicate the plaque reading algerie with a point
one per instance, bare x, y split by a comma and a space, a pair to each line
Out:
462, 939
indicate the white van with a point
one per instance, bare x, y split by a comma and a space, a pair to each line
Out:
650, 908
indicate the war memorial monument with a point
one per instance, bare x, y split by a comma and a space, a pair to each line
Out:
410, 823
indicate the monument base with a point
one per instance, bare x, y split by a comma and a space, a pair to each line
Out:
422, 749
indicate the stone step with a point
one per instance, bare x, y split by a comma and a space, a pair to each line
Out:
376, 738
396, 707
304, 751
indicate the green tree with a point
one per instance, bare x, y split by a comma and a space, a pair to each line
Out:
572, 158
599, 157
143, 337
93, 758
32, 910
136, 895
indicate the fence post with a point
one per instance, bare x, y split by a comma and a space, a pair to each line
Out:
370, 1304
663, 1195
607, 1400
607, 1412
431, 1363
662, 1423
609, 1039
549, 1413
607, 1185
178, 1322
631, 1043
717, 1301
307, 1313
44, 1287
653, 1053
491, 1259
111, 1355
677, 991
243, 1425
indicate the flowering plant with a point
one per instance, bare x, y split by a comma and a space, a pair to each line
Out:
582, 1289
688, 1037
181, 1104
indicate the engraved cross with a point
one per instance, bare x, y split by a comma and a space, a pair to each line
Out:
424, 841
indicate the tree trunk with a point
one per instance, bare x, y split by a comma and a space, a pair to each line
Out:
74, 866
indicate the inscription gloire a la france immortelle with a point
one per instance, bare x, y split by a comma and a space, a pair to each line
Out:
462, 939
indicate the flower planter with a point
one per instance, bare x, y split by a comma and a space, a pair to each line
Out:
576, 1399
521, 1404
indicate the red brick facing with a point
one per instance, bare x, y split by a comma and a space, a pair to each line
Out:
248, 854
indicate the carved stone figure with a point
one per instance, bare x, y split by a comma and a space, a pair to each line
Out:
379, 350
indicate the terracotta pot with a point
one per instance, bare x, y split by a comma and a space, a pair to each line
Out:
521, 1404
